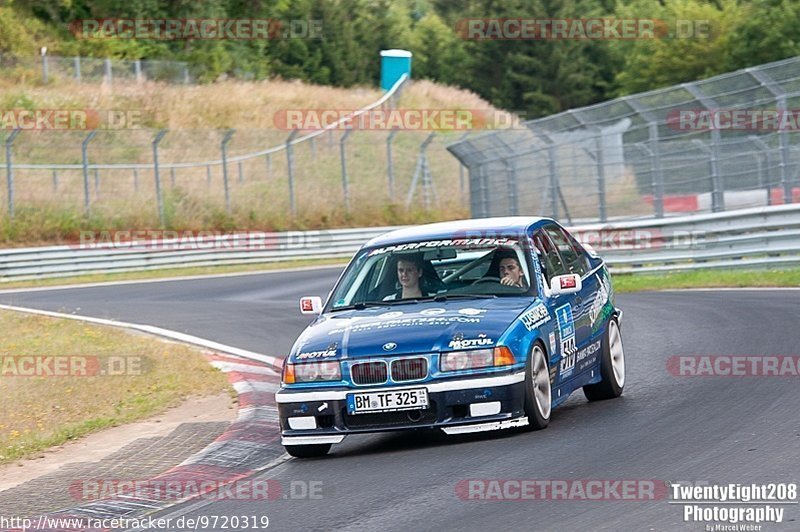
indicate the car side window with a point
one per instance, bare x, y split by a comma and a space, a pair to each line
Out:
574, 259
550, 259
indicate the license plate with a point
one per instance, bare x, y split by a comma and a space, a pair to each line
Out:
388, 401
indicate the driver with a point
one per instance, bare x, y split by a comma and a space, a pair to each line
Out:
511, 273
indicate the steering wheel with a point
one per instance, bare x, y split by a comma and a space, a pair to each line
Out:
487, 279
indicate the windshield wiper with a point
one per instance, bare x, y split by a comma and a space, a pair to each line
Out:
361, 305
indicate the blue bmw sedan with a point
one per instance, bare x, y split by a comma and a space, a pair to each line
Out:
466, 326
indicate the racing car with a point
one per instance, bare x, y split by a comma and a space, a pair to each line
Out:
465, 326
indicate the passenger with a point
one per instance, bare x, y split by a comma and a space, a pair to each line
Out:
409, 274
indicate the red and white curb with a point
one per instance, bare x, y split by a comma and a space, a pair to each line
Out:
250, 444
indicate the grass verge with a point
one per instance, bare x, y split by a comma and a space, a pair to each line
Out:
707, 279
127, 378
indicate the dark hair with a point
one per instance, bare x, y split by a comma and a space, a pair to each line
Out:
413, 258
502, 253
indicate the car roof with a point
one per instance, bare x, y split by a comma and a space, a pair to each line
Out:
472, 228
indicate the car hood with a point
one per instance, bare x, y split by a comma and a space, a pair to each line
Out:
408, 328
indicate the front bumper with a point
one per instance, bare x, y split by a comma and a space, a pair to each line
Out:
449, 409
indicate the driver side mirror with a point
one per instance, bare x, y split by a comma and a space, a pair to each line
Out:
311, 305
565, 284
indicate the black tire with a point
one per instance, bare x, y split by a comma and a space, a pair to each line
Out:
535, 376
308, 451
612, 382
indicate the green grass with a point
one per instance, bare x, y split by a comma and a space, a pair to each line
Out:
39, 412
707, 279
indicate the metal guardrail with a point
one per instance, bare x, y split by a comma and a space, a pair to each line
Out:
767, 236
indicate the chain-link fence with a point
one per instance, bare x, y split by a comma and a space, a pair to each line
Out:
260, 176
726, 142
49, 68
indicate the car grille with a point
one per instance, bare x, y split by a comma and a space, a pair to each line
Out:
369, 373
409, 369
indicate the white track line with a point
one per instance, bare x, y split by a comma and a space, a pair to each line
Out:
275, 362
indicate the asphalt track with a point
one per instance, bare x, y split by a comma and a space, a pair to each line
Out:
666, 428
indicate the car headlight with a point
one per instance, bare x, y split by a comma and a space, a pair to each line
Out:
312, 372
475, 359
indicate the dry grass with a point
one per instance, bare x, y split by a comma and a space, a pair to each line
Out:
49, 208
44, 411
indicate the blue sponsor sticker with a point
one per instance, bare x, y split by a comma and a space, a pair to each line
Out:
566, 324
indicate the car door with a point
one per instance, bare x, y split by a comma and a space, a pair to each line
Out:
563, 306
575, 261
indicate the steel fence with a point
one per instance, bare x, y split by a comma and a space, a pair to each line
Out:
674, 150
746, 238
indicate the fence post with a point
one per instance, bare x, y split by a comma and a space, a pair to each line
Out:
85, 160
784, 164
45, 66
109, 77
312, 142
269, 164
656, 173
55, 180
461, 169
601, 178
422, 170
172, 176
159, 199
343, 159
10, 171
551, 156
484, 176
77, 64
390, 162
96, 183
718, 192
768, 163
290, 168
208, 176
137, 67
224, 148
241, 174
136, 180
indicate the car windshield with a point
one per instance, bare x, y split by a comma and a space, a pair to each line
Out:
434, 269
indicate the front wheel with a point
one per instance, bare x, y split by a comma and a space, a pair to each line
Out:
308, 451
612, 367
538, 396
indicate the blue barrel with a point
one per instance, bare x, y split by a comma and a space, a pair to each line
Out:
394, 63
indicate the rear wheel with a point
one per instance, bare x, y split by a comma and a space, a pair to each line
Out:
538, 396
612, 367
308, 451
